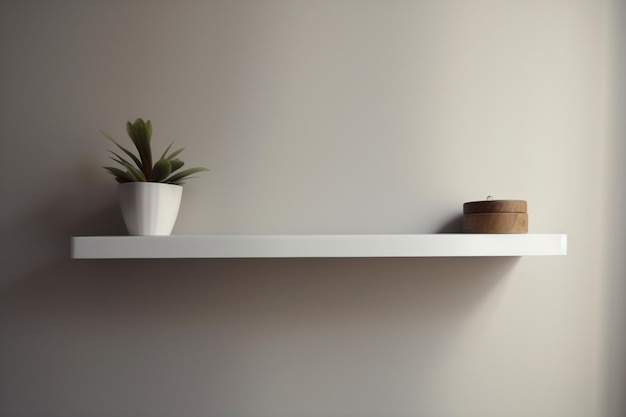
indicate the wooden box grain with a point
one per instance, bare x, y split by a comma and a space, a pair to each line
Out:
495, 216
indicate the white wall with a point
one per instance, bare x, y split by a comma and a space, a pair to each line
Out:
314, 117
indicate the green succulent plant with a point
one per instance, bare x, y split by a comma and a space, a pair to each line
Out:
166, 169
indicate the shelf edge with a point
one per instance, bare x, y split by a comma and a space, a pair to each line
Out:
317, 246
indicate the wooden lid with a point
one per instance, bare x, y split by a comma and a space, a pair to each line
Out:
495, 206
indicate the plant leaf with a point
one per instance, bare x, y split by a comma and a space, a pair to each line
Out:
176, 164
182, 182
130, 129
161, 170
181, 175
148, 130
174, 154
166, 150
119, 159
120, 175
138, 132
126, 151
137, 174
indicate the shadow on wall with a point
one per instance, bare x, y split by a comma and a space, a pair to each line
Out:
454, 225
42, 235
354, 330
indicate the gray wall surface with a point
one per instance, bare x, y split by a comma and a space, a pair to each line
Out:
315, 117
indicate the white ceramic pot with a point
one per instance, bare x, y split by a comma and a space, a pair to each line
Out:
149, 208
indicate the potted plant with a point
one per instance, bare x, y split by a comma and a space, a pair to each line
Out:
149, 192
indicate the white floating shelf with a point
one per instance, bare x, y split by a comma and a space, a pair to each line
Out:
317, 246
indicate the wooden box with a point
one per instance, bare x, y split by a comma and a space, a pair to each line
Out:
495, 216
